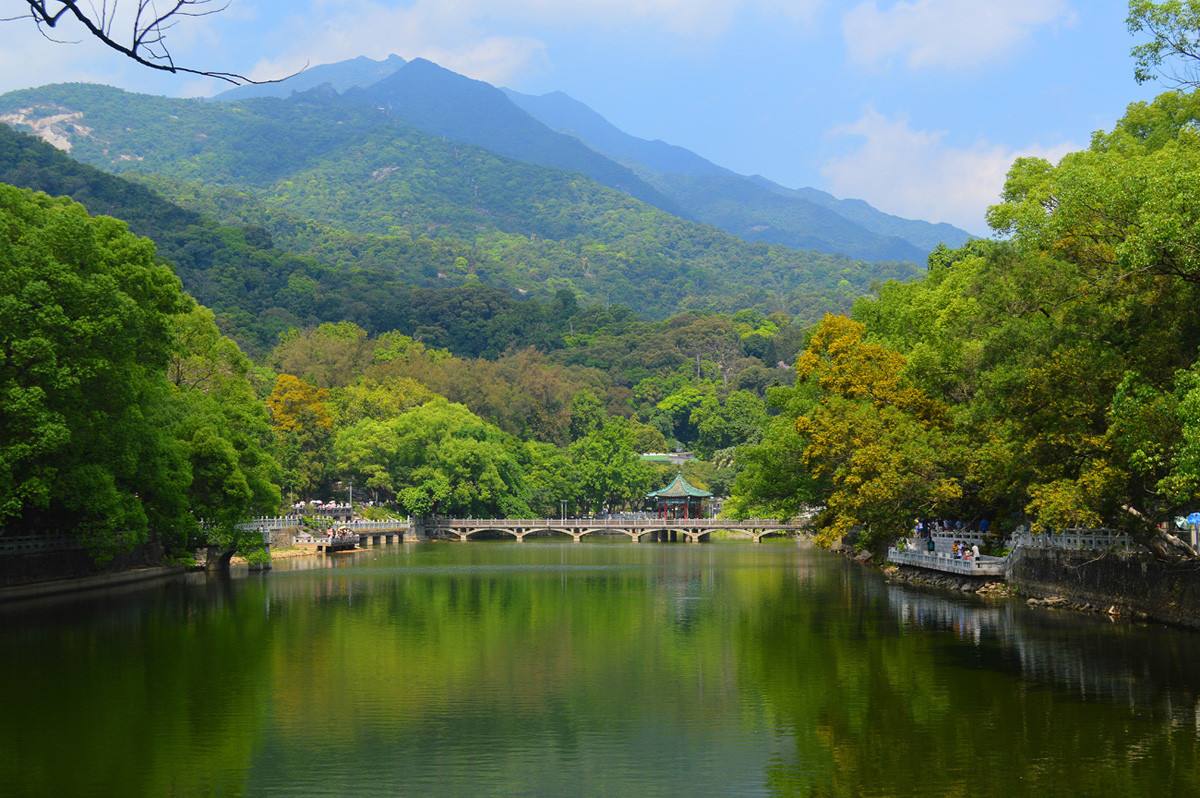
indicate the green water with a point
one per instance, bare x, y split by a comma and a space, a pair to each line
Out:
592, 669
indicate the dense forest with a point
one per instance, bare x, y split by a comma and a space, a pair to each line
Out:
1045, 377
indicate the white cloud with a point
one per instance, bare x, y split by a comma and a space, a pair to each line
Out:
689, 18
439, 31
945, 33
913, 173
455, 33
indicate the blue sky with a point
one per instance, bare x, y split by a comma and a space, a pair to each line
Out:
917, 106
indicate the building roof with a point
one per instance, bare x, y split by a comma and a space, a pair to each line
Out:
678, 489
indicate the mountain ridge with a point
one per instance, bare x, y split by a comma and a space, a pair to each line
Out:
668, 176
442, 102
341, 75
707, 192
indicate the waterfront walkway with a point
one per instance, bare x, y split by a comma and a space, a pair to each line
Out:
942, 560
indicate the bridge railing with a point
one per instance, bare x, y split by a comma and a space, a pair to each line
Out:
289, 521
615, 523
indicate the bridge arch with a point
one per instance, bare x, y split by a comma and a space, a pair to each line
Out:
548, 531
775, 533
467, 533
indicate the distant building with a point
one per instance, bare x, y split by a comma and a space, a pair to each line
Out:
668, 458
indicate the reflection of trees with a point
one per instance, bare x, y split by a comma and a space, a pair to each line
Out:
421, 669
882, 697
134, 697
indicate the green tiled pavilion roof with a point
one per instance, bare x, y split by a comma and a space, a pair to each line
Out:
678, 489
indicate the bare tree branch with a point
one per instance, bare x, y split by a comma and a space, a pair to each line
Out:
147, 36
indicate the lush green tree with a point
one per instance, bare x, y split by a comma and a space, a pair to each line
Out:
735, 421
587, 414
437, 458
551, 483
85, 315
128, 418
377, 399
610, 472
224, 428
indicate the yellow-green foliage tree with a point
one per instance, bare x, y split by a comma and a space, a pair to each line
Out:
878, 442
303, 422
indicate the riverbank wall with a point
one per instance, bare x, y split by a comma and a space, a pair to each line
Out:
72, 563
1126, 584
100, 581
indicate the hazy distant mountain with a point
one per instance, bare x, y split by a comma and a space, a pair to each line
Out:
564, 113
752, 207
445, 103
925, 235
343, 75
558, 131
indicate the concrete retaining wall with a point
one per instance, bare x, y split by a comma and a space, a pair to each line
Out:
1135, 583
71, 564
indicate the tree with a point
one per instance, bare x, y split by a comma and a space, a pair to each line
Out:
438, 458
224, 428
1173, 51
332, 354
303, 424
587, 414
609, 471
147, 26
736, 421
127, 417
550, 480
85, 315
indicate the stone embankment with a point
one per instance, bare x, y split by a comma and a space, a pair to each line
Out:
1121, 585
981, 586
1132, 585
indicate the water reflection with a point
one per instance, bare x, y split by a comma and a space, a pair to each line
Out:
559, 669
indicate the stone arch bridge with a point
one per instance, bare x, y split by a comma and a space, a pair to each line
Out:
638, 529
463, 529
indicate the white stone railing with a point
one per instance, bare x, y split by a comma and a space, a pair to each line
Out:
981, 566
1075, 540
31, 544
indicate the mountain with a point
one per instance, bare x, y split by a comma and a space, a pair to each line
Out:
258, 289
558, 131
438, 101
343, 75
561, 112
925, 235
355, 191
751, 207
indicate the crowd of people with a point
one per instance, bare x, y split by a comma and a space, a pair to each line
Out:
925, 535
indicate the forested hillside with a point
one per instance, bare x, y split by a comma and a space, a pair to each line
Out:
356, 190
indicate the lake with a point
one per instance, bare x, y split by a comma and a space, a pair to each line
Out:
547, 668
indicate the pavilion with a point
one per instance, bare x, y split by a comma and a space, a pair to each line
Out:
680, 499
